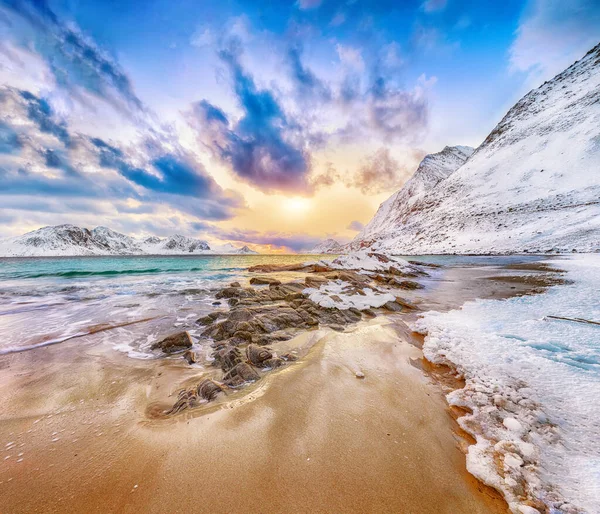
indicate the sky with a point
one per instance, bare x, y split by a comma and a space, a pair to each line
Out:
271, 124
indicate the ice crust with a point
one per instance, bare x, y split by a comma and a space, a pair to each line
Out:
532, 384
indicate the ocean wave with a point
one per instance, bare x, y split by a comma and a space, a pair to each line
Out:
104, 273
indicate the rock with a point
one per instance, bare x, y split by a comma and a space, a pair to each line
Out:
290, 357
426, 264
190, 356
408, 284
235, 284
216, 303
273, 363
264, 281
240, 374
405, 303
228, 357
359, 374
370, 313
208, 389
185, 399
243, 334
393, 306
210, 318
257, 355
315, 281
174, 343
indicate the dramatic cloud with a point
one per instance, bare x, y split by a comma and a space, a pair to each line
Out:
74, 59
553, 34
42, 157
260, 147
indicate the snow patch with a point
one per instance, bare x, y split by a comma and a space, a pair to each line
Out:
339, 294
532, 384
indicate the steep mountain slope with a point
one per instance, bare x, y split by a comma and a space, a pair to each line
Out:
69, 240
433, 169
532, 186
327, 246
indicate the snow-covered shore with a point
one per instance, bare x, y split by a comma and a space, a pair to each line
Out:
532, 383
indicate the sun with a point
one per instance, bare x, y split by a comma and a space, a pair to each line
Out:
297, 204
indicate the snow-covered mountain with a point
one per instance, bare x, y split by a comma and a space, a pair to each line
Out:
70, 240
433, 169
229, 248
176, 244
327, 246
533, 185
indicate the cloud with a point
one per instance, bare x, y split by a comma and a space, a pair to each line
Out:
43, 157
293, 242
552, 34
202, 37
308, 85
430, 6
73, 58
379, 173
260, 147
350, 57
308, 4
355, 225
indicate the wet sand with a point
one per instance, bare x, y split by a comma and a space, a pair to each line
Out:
307, 438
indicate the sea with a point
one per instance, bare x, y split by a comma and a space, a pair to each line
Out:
49, 300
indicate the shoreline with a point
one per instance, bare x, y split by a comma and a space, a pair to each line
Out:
252, 439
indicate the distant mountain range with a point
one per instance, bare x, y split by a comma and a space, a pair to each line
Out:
70, 240
533, 185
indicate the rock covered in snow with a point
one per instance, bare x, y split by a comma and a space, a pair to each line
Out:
532, 186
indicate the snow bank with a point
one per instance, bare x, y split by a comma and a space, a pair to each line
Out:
533, 385
339, 294
367, 260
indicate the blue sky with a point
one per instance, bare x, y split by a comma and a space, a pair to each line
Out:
273, 124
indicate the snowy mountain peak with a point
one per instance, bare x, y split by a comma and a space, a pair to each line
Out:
532, 185
70, 240
431, 171
327, 246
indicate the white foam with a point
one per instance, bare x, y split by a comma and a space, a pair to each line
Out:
533, 384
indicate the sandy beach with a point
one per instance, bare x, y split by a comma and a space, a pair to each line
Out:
79, 431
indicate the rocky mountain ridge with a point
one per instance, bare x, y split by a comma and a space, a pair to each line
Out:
533, 185
70, 240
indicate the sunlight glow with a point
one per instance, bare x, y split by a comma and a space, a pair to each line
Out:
297, 205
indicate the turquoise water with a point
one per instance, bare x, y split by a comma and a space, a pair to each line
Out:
47, 300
